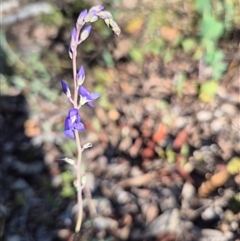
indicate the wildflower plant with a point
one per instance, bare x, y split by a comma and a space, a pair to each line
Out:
81, 95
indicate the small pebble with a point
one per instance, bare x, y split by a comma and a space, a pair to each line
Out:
234, 225
125, 144
209, 214
104, 223
135, 171
188, 191
204, 115
56, 180
64, 234
217, 124
113, 115
229, 109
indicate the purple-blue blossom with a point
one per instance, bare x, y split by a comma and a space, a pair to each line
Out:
72, 122
86, 97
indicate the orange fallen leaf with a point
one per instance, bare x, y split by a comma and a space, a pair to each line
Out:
161, 133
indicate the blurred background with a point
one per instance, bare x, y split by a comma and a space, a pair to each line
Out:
165, 132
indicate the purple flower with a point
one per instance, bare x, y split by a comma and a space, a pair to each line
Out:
65, 89
81, 76
87, 97
81, 17
73, 121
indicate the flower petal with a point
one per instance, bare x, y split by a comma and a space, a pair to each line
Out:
74, 112
69, 133
83, 91
81, 17
90, 104
81, 75
79, 126
93, 96
68, 125
65, 88
97, 8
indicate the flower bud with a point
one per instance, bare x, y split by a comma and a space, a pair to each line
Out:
69, 161
105, 15
80, 76
85, 33
73, 41
81, 17
94, 19
87, 145
97, 8
66, 89
115, 27
91, 15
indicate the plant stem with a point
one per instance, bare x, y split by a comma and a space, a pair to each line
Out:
78, 142
79, 183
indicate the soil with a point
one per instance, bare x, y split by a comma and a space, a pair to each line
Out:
161, 163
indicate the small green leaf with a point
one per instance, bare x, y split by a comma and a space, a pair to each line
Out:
68, 192
233, 166
211, 28
208, 90
188, 44
136, 55
170, 155
107, 57
67, 177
